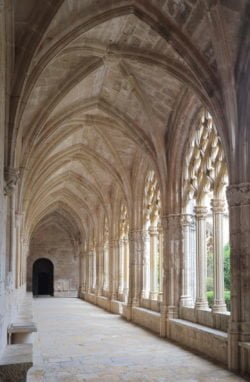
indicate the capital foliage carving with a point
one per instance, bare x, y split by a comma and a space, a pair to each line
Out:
11, 177
200, 212
238, 194
218, 205
186, 220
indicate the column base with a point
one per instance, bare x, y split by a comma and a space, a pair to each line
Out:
201, 305
135, 302
145, 294
186, 301
114, 296
120, 291
125, 292
160, 297
163, 321
219, 308
153, 295
99, 292
233, 346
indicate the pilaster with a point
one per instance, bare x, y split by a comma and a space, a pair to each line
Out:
186, 297
153, 234
171, 270
145, 264
238, 196
218, 207
135, 270
121, 267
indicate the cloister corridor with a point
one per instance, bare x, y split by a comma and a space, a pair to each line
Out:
77, 342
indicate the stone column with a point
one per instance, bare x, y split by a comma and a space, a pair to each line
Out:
135, 262
94, 269
121, 267
238, 196
82, 269
193, 258
84, 273
201, 258
90, 270
160, 241
126, 267
100, 270
18, 250
186, 298
153, 234
110, 270
218, 249
106, 267
11, 176
146, 264
114, 268
24, 256
171, 270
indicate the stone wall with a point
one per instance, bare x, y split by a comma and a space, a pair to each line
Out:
53, 243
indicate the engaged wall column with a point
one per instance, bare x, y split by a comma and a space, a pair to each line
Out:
218, 217
153, 233
186, 299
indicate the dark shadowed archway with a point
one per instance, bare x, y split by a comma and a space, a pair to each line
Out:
43, 277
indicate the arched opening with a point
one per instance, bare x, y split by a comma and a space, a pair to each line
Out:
43, 277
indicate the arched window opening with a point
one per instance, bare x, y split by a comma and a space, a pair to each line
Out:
43, 277
105, 256
123, 254
205, 221
152, 258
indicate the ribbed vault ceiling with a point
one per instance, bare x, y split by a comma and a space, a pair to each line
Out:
97, 84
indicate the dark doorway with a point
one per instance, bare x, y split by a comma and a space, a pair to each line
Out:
43, 277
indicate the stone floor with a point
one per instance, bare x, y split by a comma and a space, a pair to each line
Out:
77, 341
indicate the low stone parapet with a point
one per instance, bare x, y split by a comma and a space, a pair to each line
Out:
211, 342
15, 362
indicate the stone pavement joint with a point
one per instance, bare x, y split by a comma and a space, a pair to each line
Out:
77, 342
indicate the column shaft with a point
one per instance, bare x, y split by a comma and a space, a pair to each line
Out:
121, 267
201, 258
218, 216
126, 266
153, 233
146, 264
186, 299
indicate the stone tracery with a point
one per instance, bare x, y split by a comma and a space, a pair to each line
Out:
204, 181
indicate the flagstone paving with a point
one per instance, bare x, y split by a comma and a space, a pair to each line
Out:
77, 342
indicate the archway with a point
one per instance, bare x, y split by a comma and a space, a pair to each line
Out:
43, 277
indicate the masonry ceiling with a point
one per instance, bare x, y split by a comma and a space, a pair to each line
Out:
95, 89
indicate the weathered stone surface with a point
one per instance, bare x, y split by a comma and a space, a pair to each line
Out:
102, 347
99, 105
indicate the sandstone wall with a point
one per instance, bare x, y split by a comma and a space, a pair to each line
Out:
53, 243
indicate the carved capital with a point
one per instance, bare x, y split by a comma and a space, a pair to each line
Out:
186, 220
238, 194
91, 253
218, 205
11, 177
153, 230
200, 212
